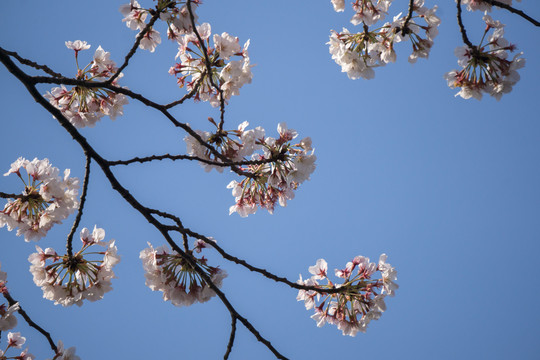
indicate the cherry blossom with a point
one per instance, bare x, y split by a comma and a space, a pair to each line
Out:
65, 354
84, 106
168, 272
276, 174
486, 67
71, 279
359, 54
226, 74
47, 199
360, 298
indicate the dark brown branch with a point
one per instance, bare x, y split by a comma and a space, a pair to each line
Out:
192, 158
230, 344
461, 27
250, 267
161, 108
115, 184
409, 16
30, 322
184, 98
513, 11
9, 196
34, 64
69, 242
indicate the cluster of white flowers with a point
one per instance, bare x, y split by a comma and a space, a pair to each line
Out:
71, 279
486, 67
360, 299
275, 181
16, 341
359, 53
168, 272
275, 171
229, 75
86, 106
47, 199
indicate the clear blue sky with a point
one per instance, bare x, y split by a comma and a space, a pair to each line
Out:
447, 188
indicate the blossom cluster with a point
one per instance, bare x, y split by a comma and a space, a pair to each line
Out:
71, 279
174, 13
277, 166
16, 341
360, 298
225, 74
181, 284
359, 53
486, 68
47, 199
84, 106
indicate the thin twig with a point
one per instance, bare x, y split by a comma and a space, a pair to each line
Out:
34, 64
69, 245
184, 98
208, 68
30, 322
513, 10
230, 344
462, 28
192, 158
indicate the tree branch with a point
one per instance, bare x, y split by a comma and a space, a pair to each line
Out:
513, 10
30, 322
69, 246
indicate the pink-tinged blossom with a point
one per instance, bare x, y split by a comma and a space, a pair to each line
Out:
84, 106
319, 269
360, 297
8, 320
65, 354
47, 199
77, 45
150, 40
71, 279
134, 15
15, 340
168, 272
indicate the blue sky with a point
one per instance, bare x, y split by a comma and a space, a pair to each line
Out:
448, 188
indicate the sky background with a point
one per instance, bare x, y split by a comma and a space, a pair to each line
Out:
447, 187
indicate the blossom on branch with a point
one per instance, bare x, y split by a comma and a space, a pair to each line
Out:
280, 169
65, 354
360, 298
486, 67
71, 279
181, 284
84, 106
47, 199
359, 54
226, 76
